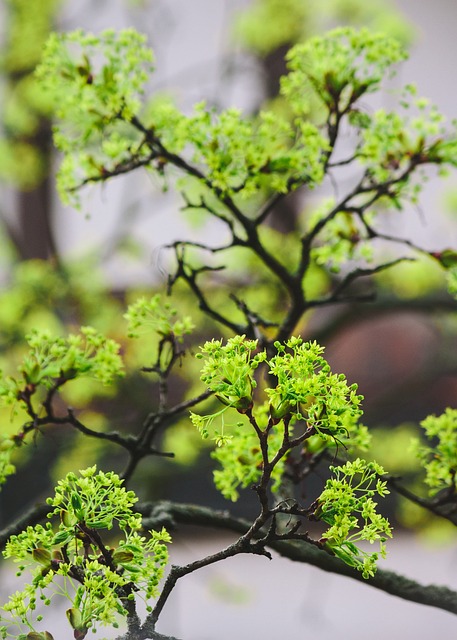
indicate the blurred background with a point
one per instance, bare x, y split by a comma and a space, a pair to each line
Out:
60, 268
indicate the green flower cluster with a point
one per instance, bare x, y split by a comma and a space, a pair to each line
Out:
39, 294
307, 390
338, 68
439, 458
242, 157
228, 370
52, 359
347, 505
341, 239
240, 459
239, 155
161, 317
392, 143
97, 499
74, 562
7, 448
48, 365
309, 409
96, 82
96, 101
269, 24
306, 393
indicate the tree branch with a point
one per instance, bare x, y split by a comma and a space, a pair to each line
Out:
170, 514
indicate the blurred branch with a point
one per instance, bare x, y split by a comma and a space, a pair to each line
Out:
36, 514
383, 305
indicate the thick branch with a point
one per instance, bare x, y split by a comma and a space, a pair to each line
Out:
167, 513
36, 514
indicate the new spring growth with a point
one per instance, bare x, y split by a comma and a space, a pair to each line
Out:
228, 370
347, 505
159, 316
305, 388
305, 391
439, 454
74, 561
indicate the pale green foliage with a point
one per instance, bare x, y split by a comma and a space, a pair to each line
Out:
238, 155
240, 457
391, 141
347, 505
305, 392
98, 581
266, 25
391, 447
228, 370
312, 400
20, 163
95, 82
7, 468
34, 287
161, 114
439, 458
379, 15
50, 363
42, 297
55, 358
27, 26
413, 279
340, 240
339, 68
37, 288
451, 277
269, 24
241, 155
229, 155
158, 316
335, 71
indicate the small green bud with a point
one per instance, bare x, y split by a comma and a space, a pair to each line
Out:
281, 411
76, 502
121, 556
43, 556
104, 523
57, 555
67, 518
33, 376
75, 619
62, 537
347, 558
